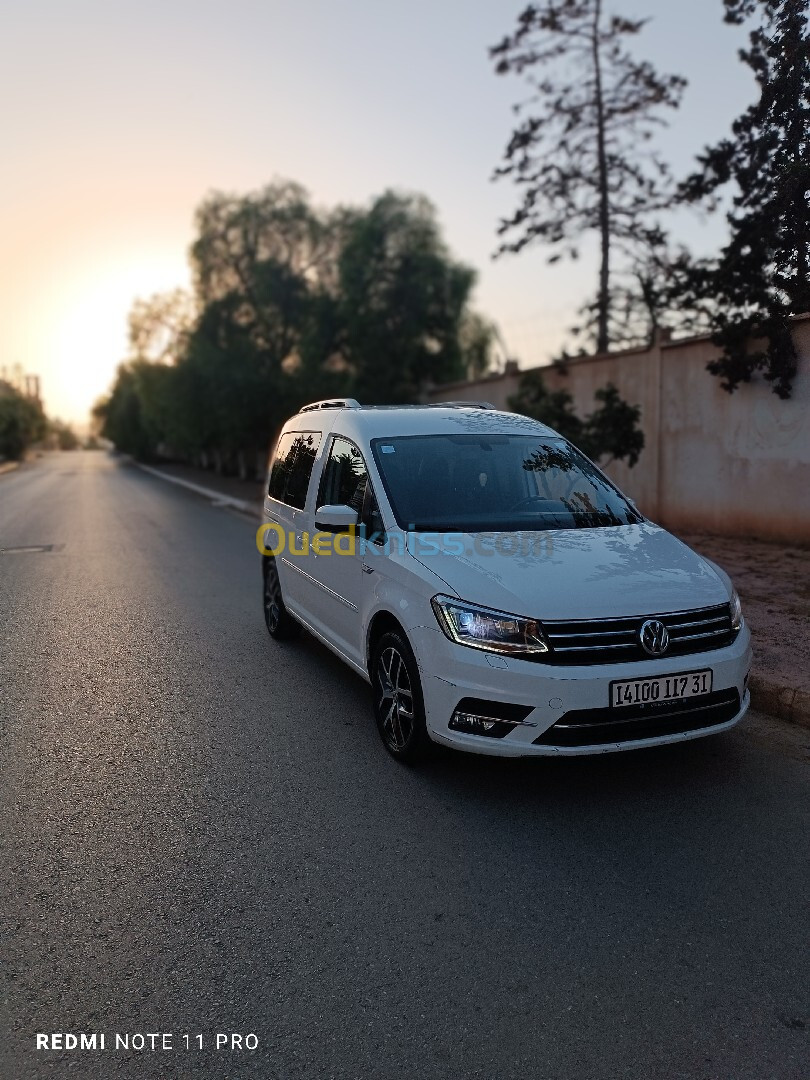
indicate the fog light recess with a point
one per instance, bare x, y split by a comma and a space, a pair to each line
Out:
488, 719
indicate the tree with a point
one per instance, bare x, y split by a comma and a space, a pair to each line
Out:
234, 393
63, 435
552, 407
646, 295
290, 304
120, 415
476, 340
141, 413
22, 422
610, 432
263, 252
762, 276
159, 326
265, 265
402, 300
579, 156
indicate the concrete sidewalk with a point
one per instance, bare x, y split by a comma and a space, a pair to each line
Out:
773, 582
244, 495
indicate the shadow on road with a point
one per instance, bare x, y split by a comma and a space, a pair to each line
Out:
670, 774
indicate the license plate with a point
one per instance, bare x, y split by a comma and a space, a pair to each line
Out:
663, 688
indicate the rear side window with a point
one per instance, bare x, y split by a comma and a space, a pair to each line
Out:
292, 467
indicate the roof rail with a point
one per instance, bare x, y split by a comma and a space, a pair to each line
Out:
331, 403
461, 405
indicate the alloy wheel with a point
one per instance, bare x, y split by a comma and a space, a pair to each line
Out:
394, 699
272, 599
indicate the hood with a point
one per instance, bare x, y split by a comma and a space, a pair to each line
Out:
573, 573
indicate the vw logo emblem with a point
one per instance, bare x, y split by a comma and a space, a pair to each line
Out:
654, 637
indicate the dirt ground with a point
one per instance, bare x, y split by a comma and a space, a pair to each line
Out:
773, 581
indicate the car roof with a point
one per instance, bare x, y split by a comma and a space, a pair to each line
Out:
364, 423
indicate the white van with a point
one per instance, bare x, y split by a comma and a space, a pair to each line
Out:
499, 593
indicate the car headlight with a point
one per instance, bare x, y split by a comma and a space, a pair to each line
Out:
736, 611
483, 628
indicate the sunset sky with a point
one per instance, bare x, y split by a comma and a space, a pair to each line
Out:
118, 118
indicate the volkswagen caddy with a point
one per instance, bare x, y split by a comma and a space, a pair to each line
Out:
495, 588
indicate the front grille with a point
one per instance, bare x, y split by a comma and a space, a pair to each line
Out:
594, 727
616, 641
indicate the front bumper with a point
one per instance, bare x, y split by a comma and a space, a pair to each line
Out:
451, 673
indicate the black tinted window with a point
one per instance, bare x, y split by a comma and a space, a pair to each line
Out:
372, 518
344, 477
292, 467
477, 483
281, 467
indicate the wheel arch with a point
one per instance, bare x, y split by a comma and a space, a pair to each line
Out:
380, 624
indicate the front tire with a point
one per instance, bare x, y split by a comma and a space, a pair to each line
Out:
280, 624
398, 703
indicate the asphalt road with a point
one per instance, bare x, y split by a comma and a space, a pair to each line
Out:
202, 834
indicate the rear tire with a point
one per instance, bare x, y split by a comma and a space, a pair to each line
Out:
398, 703
280, 624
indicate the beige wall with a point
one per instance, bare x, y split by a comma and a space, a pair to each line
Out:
725, 463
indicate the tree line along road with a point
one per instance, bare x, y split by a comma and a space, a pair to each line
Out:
203, 835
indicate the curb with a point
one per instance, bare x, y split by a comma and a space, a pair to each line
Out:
8, 466
217, 498
784, 702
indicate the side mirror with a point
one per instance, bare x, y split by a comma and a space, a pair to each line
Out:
336, 519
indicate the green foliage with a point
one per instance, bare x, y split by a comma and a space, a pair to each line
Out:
762, 276
22, 422
476, 340
609, 433
552, 407
611, 430
402, 300
64, 435
120, 415
144, 408
580, 154
291, 304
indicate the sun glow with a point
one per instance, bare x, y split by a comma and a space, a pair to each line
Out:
87, 335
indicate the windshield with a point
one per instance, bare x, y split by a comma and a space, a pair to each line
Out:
483, 483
